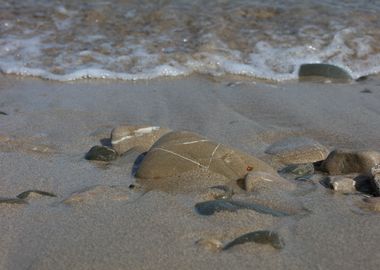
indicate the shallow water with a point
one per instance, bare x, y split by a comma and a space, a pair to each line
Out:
130, 40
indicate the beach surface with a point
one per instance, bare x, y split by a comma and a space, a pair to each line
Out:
47, 128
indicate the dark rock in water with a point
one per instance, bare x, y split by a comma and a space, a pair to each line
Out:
178, 152
12, 201
375, 179
3, 113
101, 153
25, 194
260, 237
298, 169
349, 161
211, 207
297, 150
362, 78
308, 71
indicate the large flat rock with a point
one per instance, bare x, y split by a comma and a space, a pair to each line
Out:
181, 151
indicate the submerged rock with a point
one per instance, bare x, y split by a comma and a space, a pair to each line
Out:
350, 161
209, 208
101, 153
298, 169
126, 137
3, 113
297, 150
220, 192
181, 151
261, 237
256, 181
341, 183
311, 71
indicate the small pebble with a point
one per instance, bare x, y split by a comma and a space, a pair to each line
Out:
101, 153
25, 194
299, 169
341, 184
3, 113
372, 203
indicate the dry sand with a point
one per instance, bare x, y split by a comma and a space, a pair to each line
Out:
50, 126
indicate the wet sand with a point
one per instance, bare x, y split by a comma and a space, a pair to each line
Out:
49, 127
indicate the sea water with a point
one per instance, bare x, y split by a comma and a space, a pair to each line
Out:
139, 39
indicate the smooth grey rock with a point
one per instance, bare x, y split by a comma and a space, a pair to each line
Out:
298, 169
311, 71
341, 183
297, 150
101, 153
126, 137
349, 161
181, 151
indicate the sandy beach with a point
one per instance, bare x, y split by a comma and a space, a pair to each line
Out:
48, 127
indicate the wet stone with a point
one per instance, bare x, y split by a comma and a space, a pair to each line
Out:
349, 161
323, 71
296, 150
178, 152
298, 169
257, 181
260, 237
209, 208
3, 113
101, 153
341, 184
125, 137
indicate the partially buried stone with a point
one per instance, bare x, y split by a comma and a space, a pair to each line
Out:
298, 169
297, 150
261, 237
256, 181
181, 151
341, 184
101, 153
3, 113
350, 161
209, 208
125, 137
26, 194
327, 71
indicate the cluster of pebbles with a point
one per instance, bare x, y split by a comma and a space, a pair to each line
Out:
227, 179
166, 156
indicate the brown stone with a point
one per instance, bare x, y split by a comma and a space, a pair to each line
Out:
125, 137
256, 181
182, 151
297, 150
349, 161
372, 203
375, 180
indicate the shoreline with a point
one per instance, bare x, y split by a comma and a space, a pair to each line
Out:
49, 126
